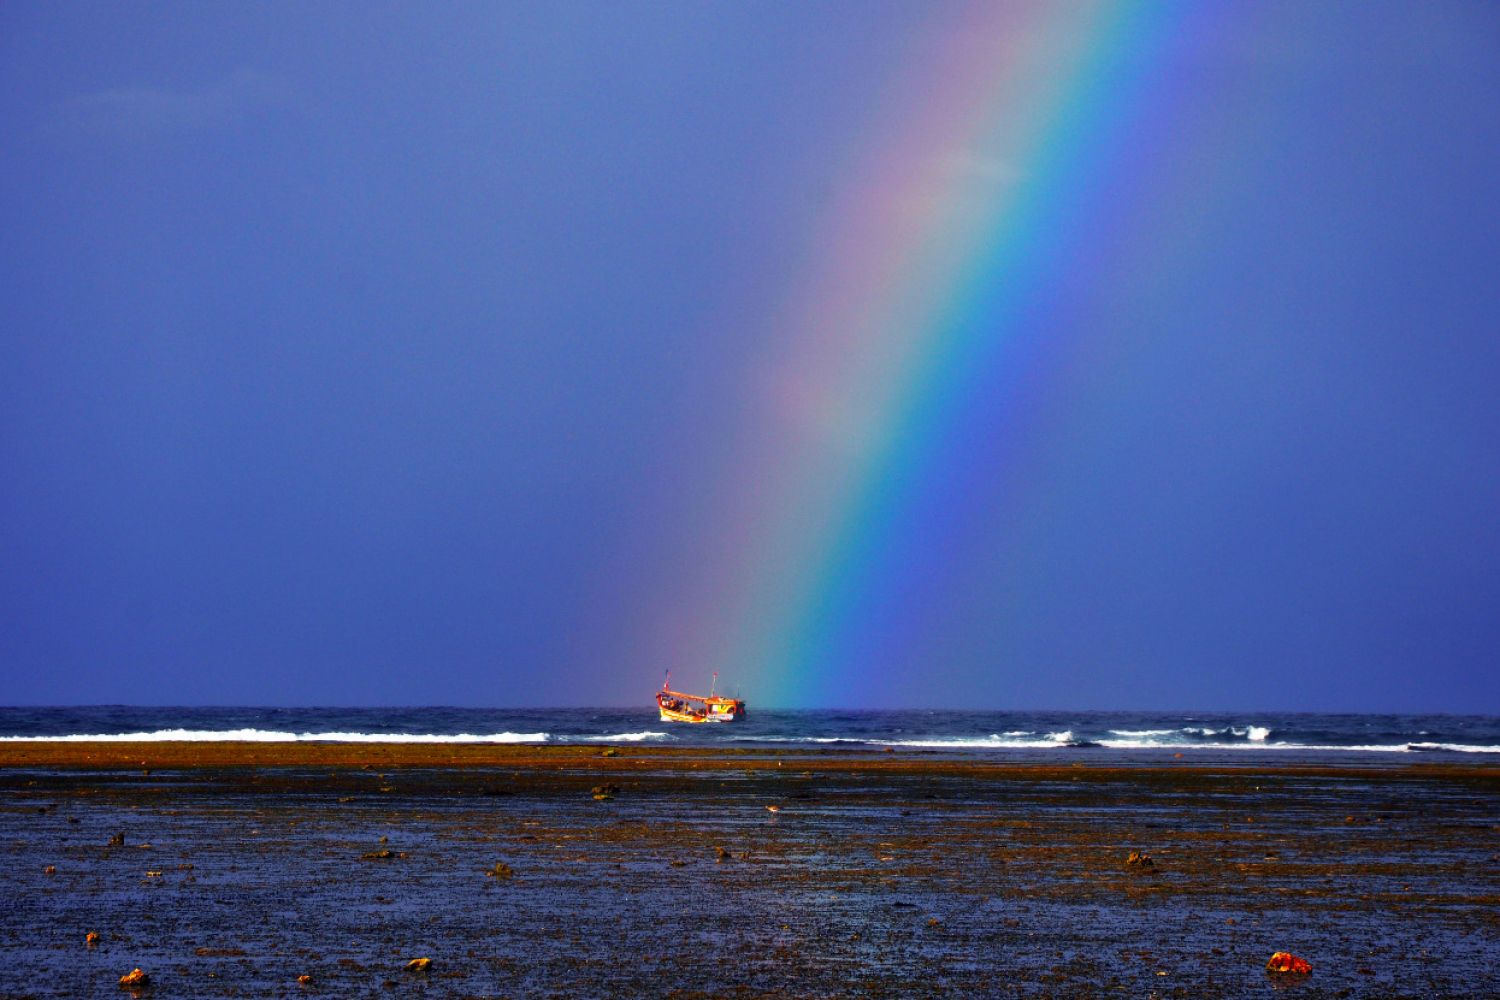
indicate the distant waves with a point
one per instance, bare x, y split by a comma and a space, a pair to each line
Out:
1023, 735
1021, 739
272, 736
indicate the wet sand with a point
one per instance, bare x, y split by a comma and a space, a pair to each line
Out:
245, 865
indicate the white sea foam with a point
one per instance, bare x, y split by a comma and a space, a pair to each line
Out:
1256, 734
1251, 738
1456, 747
801, 739
992, 742
1060, 740
1261, 746
275, 736
995, 741
627, 737
1055, 741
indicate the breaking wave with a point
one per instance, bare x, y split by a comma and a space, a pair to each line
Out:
1188, 736
275, 736
628, 737
1455, 747
1251, 738
994, 741
1023, 734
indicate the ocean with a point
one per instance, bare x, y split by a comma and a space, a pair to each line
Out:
1245, 736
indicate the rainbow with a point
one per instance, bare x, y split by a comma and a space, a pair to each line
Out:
930, 316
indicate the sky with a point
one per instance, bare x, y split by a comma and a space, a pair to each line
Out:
872, 354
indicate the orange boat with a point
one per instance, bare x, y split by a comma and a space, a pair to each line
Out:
678, 707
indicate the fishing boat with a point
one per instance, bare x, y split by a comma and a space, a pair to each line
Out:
676, 706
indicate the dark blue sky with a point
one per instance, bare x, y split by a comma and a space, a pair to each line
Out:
397, 353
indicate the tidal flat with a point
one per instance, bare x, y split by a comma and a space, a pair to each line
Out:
233, 869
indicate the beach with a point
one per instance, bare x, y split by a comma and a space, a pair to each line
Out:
233, 869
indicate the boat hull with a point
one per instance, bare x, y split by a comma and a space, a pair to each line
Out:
693, 709
667, 715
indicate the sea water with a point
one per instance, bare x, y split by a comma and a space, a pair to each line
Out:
1246, 736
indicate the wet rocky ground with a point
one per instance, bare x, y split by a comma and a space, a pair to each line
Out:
715, 874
